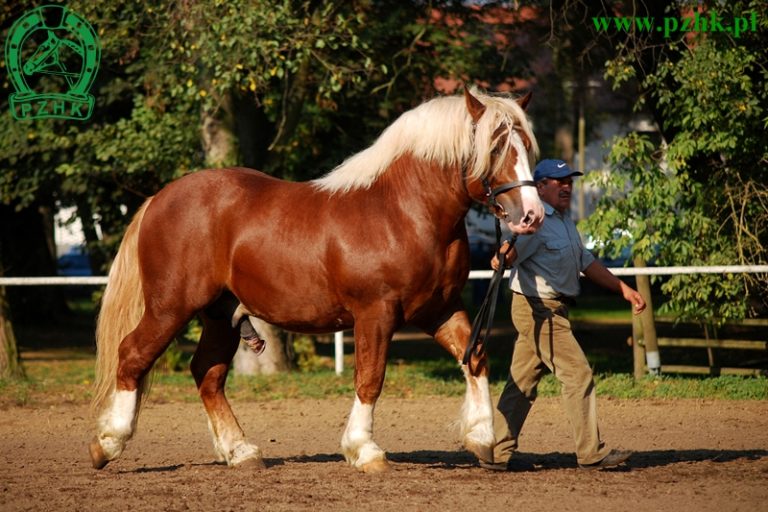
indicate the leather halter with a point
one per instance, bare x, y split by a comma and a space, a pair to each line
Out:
490, 194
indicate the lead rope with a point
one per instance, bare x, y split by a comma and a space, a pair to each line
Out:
481, 326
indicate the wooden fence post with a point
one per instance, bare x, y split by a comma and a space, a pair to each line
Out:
638, 352
652, 357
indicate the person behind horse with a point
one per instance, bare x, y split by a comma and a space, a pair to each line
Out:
545, 280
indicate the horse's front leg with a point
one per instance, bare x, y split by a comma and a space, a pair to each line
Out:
373, 332
477, 411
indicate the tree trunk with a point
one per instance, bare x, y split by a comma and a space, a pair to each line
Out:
218, 133
272, 360
96, 254
294, 97
10, 363
219, 141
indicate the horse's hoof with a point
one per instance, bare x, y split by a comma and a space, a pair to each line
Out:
246, 455
98, 458
376, 466
254, 464
481, 451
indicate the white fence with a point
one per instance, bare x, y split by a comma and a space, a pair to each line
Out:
475, 274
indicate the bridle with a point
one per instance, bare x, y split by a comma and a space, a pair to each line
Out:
491, 193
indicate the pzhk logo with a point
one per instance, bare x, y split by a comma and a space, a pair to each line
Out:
65, 53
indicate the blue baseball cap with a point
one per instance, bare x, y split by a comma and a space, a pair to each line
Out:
553, 168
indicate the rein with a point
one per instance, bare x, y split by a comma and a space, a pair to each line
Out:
481, 326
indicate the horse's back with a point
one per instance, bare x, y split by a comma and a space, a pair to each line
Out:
241, 230
214, 193
219, 184
190, 226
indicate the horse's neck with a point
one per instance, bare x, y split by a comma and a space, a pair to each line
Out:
427, 189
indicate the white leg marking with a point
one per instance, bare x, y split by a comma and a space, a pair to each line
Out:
229, 444
357, 442
218, 450
117, 424
477, 417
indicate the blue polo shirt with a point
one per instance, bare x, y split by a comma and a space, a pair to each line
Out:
549, 261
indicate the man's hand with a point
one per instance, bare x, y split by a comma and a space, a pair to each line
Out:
633, 297
509, 255
598, 274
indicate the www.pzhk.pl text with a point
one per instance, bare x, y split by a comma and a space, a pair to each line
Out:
708, 22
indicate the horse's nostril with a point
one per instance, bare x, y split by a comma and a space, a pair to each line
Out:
528, 219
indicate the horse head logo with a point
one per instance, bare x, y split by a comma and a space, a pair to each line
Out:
48, 33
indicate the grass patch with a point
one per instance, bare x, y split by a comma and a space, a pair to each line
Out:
600, 308
69, 380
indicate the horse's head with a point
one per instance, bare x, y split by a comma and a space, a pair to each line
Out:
501, 171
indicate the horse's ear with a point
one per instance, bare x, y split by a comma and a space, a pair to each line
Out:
523, 102
474, 106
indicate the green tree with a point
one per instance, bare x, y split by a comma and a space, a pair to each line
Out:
288, 87
697, 195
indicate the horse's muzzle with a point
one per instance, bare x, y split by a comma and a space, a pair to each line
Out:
528, 218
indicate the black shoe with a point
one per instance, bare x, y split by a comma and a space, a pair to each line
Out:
614, 458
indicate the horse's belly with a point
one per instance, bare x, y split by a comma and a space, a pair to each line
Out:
311, 322
305, 312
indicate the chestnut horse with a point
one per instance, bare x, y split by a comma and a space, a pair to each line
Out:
377, 243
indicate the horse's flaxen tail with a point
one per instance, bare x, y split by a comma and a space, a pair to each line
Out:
122, 306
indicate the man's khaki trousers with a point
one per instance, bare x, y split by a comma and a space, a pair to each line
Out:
546, 341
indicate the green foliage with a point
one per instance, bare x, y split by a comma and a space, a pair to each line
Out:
299, 85
698, 195
652, 208
712, 101
171, 360
307, 359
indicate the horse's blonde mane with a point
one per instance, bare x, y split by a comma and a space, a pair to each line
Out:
441, 131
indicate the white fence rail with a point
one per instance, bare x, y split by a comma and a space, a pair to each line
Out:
57, 280
658, 271
475, 274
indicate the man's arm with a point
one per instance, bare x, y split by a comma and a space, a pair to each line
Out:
598, 274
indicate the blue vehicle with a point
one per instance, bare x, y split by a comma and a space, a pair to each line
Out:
75, 262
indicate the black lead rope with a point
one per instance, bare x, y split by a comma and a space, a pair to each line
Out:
481, 327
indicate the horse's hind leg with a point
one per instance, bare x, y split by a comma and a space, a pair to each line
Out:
210, 365
477, 411
136, 355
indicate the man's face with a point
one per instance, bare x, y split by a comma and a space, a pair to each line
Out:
556, 192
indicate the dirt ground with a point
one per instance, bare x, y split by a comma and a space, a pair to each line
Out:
690, 456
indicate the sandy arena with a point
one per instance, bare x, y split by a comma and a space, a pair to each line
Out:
691, 456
